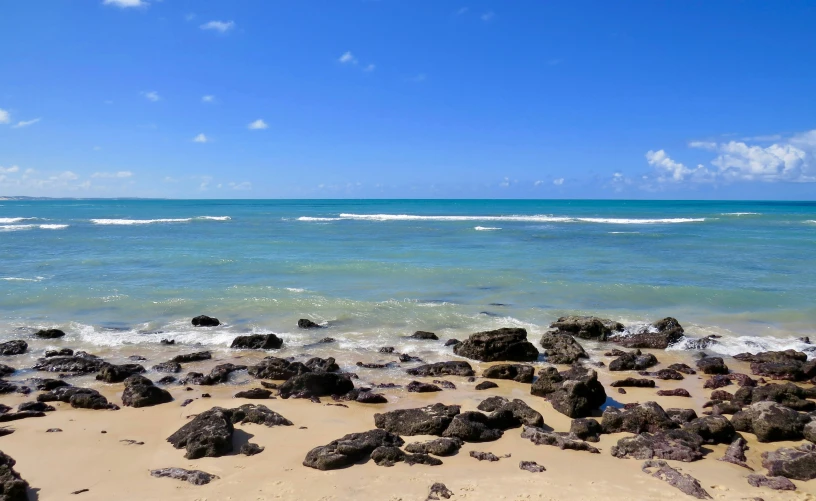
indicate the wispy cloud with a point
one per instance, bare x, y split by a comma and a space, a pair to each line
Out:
559, 181
219, 26
25, 123
246, 185
208, 99
201, 138
189, 17
488, 16
122, 174
462, 11
124, 4
258, 125
9, 170
370, 68
347, 58
5, 116
151, 96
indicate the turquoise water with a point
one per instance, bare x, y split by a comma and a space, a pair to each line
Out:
112, 272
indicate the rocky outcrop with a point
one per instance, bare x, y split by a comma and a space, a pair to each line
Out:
586, 327
775, 483
684, 482
631, 382
472, 427
419, 387
140, 392
788, 394
49, 334
575, 393
257, 342
79, 398
277, 369
437, 447
562, 348
305, 323
735, 454
586, 429
516, 372
363, 396
798, 463
64, 352
712, 365
349, 449
192, 357
770, 422
12, 485
442, 369
195, 477
507, 344
16, 347
659, 335
205, 321
171, 367
675, 445
633, 361
430, 420
540, 436
646, 417
712, 429
110, 373
316, 384
428, 336
80, 363
209, 434
787, 365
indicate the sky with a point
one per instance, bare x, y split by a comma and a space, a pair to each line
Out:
408, 99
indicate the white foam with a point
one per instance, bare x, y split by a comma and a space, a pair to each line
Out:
307, 218
295, 289
485, 228
741, 214
53, 226
16, 227
152, 221
515, 218
215, 218
18, 279
6, 220
624, 232
733, 345
811, 221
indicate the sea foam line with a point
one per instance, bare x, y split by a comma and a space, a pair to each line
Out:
18, 279
741, 214
127, 222
486, 228
530, 219
18, 227
6, 220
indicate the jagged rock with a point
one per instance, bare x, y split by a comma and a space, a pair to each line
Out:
317, 364
349, 449
362, 395
631, 382
678, 392
12, 485
5, 370
442, 369
491, 404
140, 392
659, 335
561, 348
15, 416
439, 490
80, 362
646, 417
305, 323
47, 384
798, 463
388, 455
316, 384
770, 422
484, 456
486, 385
192, 357
540, 436
735, 454
676, 445
405, 358
775, 483
64, 352
110, 373
472, 427
685, 369
35, 407
424, 335
437, 447
511, 414
452, 342
195, 477
712, 365
681, 416
516, 372
172, 367
722, 408
717, 381
788, 395
387, 349
507, 344
49, 334
257, 414
257, 342
16, 347
166, 380
79, 398
586, 327
586, 429
684, 482
254, 393
712, 429
742, 379
575, 393
250, 449
721, 395
531, 466
430, 420
701, 343
664, 374
209, 434
205, 321
277, 369
418, 387
788, 365
633, 361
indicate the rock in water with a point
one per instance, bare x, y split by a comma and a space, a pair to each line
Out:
417, 387
775, 483
771, 422
595, 328
735, 454
49, 334
80, 362
430, 420
316, 384
561, 348
257, 342
349, 449
110, 373
507, 344
438, 490
12, 486
631, 382
209, 434
686, 483
798, 463
192, 357
205, 321
516, 372
531, 466
442, 369
424, 335
254, 393
140, 392
575, 393
633, 361
195, 477
172, 367
659, 335
486, 385
305, 323
278, 369
16, 347
677, 392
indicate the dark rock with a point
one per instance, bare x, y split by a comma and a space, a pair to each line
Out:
418, 387
472, 427
633, 361
257, 342
49, 334
326, 340
438, 490
250, 449
511, 414
167, 342
437, 447
404, 357
430, 420
721, 395
16, 347
317, 364
364, 396
187, 402
15, 416
387, 349
676, 445
442, 369
735, 454
614, 353
444, 384
678, 392
685, 369
172, 367
486, 385
219, 374
773, 356
8, 387
770, 422
350, 449
684, 482
562, 348
270, 386
80, 362
775, 483
53, 430
788, 394
507, 344
424, 335
646, 417
742, 379
205, 321
575, 393
316, 384
167, 380
516, 372
12, 486
5, 370
540, 436
64, 352
659, 335
798, 463
701, 343
717, 381
305, 323
140, 392
531, 466
48, 384
681, 416
725, 408
254, 393
452, 342
387, 455
664, 374
484, 456
195, 477
277, 369
712, 429
621, 391
192, 357
79, 398
110, 373
257, 414
209, 434
788, 365
712, 365
633, 383
586, 429
587, 327
35, 407
372, 366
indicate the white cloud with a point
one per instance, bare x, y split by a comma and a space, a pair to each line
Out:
462, 11
151, 96
201, 138
246, 185
538, 183
559, 181
207, 99
25, 123
219, 26
9, 170
258, 125
122, 174
487, 16
5, 116
347, 58
370, 68
703, 145
124, 4
665, 166
505, 182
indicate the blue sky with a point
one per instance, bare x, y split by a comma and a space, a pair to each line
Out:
408, 99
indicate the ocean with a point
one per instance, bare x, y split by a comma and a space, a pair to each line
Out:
125, 273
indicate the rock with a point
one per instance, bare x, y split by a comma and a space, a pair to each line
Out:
49, 334
484, 456
349, 449
561, 348
725, 408
388, 455
788, 365
621, 391
586, 327
430, 420
659, 335
676, 445
418, 387
47, 384
12, 485
254, 393
685, 369
257, 342
166, 380
452, 342
424, 335
531, 466
437, 447
646, 417
80, 362
35, 407
305, 323
444, 384
721, 395
633, 383
53, 430
187, 402
326, 340
664, 374
140, 392
209, 434
742, 379
491, 404
250, 449
507, 344
362, 395
5, 370
64, 352
513, 414
205, 321
633, 361
277, 369
195, 477
586, 429
387, 349
110, 373
678, 392
373, 366
79, 398
770, 422
316, 384
167, 341
516, 372
788, 395
575, 393
540, 436
219, 374
172, 367
404, 357
684, 482
735, 454
438, 490
701, 343
16, 347
775, 483
773, 356
717, 381
486, 385
192, 357
473, 427
681, 416
712, 365
9, 387
317, 364
442, 369
712, 429
15, 416
798, 463
257, 414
